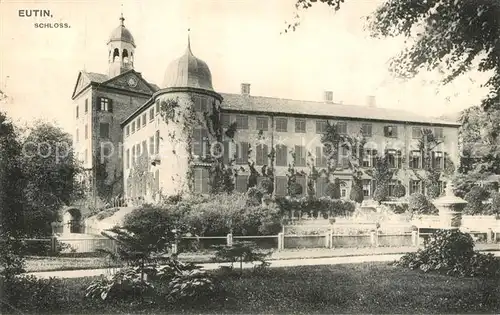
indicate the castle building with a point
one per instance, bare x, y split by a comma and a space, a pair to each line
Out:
165, 153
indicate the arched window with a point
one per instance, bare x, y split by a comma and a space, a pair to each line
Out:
109, 56
116, 54
131, 57
125, 56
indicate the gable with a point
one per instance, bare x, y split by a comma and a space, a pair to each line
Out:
130, 81
81, 83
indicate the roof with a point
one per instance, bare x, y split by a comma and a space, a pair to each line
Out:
188, 71
121, 33
239, 102
94, 77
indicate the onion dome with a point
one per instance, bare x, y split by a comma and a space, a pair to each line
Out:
188, 71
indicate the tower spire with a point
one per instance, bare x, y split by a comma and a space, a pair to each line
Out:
122, 19
189, 40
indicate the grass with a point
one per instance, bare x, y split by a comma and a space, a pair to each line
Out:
354, 288
47, 263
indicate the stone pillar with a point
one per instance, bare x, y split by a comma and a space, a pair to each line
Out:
281, 241
328, 239
374, 238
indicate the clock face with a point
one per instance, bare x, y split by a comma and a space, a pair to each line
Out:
132, 82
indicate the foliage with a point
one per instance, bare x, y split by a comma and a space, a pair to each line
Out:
419, 204
399, 190
221, 214
495, 203
356, 193
381, 192
316, 206
333, 189
126, 284
463, 183
452, 252
475, 198
267, 186
12, 258
254, 196
31, 294
239, 252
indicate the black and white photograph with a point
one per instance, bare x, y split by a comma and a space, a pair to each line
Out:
249, 157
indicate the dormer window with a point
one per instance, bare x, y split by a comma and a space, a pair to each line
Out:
105, 104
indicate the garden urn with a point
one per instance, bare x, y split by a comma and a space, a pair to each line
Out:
450, 208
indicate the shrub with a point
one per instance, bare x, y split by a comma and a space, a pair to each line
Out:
316, 206
356, 193
254, 196
495, 203
32, 294
475, 198
240, 252
295, 189
333, 189
127, 284
452, 251
11, 259
419, 204
267, 186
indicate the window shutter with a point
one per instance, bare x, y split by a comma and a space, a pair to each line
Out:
319, 157
226, 152
110, 105
400, 159
394, 131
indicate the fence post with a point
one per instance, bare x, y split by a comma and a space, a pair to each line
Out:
414, 238
328, 239
373, 238
174, 248
230, 239
488, 236
53, 244
281, 241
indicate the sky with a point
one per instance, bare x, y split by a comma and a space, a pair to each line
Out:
241, 41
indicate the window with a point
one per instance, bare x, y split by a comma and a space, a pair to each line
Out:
104, 104
133, 155
106, 152
225, 120
416, 132
152, 145
341, 128
369, 158
262, 123
241, 183
321, 126
367, 185
281, 185
104, 130
391, 186
204, 104
144, 147
133, 126
300, 155
201, 180
86, 132
415, 159
437, 160
242, 153
394, 158
300, 125
127, 131
415, 187
261, 154
281, 155
343, 190
301, 180
390, 131
438, 133
344, 157
321, 184
366, 130
151, 114
138, 150
157, 142
157, 105
242, 121
157, 180
321, 157
281, 124
77, 133
127, 159
86, 105
199, 145
77, 111
138, 124
144, 117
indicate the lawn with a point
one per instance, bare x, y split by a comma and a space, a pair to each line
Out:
353, 288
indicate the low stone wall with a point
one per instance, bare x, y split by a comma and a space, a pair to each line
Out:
304, 241
351, 241
395, 240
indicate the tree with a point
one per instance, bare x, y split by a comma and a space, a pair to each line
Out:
356, 193
399, 190
51, 171
475, 198
452, 37
333, 189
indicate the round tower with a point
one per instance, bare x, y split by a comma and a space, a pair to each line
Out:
121, 46
186, 99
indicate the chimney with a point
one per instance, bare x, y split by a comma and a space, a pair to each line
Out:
371, 101
328, 97
245, 88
